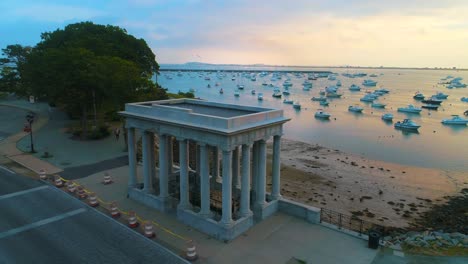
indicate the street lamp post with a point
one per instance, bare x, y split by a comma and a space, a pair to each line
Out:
30, 119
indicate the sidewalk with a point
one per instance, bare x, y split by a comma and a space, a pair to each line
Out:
8, 145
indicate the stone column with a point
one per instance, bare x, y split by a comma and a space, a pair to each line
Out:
261, 177
216, 164
163, 182
235, 168
254, 170
275, 170
132, 161
146, 144
152, 160
184, 202
226, 219
245, 182
204, 182
170, 158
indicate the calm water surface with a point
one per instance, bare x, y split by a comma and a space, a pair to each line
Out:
435, 146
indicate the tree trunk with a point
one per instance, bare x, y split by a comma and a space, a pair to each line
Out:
84, 123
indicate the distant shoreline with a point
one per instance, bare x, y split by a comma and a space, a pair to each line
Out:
191, 64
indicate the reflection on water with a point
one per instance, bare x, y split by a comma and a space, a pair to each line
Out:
447, 148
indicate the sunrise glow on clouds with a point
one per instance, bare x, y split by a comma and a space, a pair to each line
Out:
367, 33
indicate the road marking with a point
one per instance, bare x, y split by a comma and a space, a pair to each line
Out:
6, 196
42, 222
6, 169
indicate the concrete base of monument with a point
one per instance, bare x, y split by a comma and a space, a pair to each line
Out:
264, 211
214, 228
309, 213
164, 205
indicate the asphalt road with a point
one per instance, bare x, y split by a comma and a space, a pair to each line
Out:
40, 224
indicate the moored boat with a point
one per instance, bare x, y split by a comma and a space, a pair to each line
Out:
387, 117
430, 106
407, 124
369, 83
410, 109
418, 96
297, 105
286, 101
354, 87
321, 114
355, 108
455, 120
378, 105
432, 100
321, 98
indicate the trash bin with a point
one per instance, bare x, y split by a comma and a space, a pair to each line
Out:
374, 238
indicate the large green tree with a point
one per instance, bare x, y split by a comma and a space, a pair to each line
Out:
10, 68
85, 67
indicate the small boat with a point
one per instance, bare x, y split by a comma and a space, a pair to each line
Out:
456, 120
418, 96
321, 114
432, 100
369, 83
277, 95
373, 75
286, 92
387, 117
236, 93
324, 103
383, 91
260, 96
208, 86
265, 84
464, 99
321, 98
221, 91
410, 109
252, 92
407, 124
333, 95
306, 88
322, 92
355, 108
297, 105
286, 101
338, 83
378, 105
430, 106
240, 87
440, 96
368, 98
354, 87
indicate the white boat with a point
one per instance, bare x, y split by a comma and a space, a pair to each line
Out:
354, 87
410, 109
321, 114
378, 105
368, 98
369, 83
307, 83
277, 94
382, 90
373, 75
355, 108
252, 92
297, 105
286, 92
333, 95
324, 103
287, 83
456, 120
338, 83
260, 96
240, 87
418, 96
321, 98
464, 99
221, 91
440, 96
407, 124
236, 93
387, 117
286, 101
331, 77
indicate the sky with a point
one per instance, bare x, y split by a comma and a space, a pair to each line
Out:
396, 33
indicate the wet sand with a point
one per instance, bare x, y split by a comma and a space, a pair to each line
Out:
378, 191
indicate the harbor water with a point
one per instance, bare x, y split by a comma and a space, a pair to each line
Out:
434, 145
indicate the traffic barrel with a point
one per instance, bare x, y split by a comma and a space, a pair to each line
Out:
148, 229
114, 210
92, 200
107, 178
132, 220
191, 254
58, 181
71, 187
42, 174
81, 192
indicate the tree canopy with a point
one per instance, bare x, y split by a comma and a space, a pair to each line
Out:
84, 66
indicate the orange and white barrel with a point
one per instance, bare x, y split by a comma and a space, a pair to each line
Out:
107, 178
132, 220
148, 229
191, 251
42, 174
71, 187
92, 200
81, 192
58, 181
114, 210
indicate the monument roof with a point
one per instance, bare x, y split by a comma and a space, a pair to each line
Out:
201, 114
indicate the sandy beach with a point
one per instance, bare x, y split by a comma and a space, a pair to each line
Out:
381, 192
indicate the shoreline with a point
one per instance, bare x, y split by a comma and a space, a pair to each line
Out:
377, 191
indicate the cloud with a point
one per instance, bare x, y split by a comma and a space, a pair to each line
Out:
56, 13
